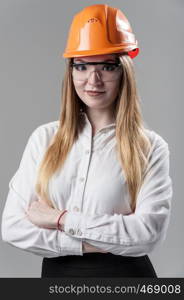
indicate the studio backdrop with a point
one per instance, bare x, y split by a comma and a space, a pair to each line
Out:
33, 36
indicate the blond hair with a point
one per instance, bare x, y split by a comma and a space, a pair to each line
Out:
132, 144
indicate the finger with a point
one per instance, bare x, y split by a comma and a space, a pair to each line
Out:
32, 205
41, 201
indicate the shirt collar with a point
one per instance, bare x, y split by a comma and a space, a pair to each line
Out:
104, 136
87, 122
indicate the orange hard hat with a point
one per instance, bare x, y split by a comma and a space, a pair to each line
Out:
100, 29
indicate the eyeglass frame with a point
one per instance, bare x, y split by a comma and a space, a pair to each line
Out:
116, 63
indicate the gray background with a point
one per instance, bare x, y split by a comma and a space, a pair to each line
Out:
33, 36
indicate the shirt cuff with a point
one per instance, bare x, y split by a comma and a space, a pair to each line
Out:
74, 225
68, 245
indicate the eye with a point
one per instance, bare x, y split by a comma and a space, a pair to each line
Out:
111, 67
80, 67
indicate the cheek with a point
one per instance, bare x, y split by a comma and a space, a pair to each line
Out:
79, 89
113, 88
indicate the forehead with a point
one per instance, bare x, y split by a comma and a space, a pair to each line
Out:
97, 58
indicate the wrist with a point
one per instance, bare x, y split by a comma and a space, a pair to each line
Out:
54, 218
61, 220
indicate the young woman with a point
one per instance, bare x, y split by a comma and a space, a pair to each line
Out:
92, 194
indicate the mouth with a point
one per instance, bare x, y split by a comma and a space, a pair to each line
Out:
94, 93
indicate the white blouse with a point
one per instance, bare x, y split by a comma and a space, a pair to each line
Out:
92, 187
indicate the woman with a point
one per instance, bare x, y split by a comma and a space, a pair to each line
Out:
92, 194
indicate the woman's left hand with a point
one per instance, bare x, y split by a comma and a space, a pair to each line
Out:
42, 215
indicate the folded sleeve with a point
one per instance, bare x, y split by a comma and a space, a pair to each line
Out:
16, 229
138, 233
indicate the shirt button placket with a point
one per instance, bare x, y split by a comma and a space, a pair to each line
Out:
82, 179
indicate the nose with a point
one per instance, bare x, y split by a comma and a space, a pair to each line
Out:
95, 78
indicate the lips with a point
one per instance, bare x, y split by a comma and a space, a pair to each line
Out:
94, 93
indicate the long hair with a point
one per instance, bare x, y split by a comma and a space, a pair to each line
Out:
132, 143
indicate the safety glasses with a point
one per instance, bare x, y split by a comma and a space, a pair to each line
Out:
106, 71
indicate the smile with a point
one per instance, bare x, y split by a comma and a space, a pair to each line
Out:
91, 93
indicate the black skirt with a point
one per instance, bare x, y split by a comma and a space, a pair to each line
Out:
96, 264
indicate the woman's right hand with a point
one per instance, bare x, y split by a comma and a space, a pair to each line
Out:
86, 248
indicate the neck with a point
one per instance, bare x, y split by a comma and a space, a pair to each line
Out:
100, 117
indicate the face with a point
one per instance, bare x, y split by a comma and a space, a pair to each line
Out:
107, 90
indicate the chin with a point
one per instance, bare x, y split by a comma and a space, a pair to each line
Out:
97, 105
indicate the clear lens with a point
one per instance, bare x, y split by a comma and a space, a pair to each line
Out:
106, 71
